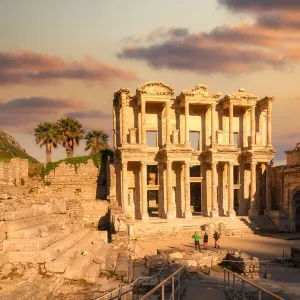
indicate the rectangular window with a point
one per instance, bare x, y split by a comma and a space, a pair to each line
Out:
236, 139
151, 137
195, 171
195, 139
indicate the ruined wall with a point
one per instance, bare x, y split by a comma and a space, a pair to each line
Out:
13, 172
82, 182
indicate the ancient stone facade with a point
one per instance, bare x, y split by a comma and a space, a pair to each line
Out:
15, 172
197, 153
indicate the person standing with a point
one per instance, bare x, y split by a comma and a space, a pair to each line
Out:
205, 240
197, 238
216, 237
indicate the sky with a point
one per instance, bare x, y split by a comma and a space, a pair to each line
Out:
66, 58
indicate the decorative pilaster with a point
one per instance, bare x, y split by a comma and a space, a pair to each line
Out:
187, 132
213, 124
144, 204
231, 124
143, 121
124, 186
124, 122
269, 124
168, 123
170, 207
230, 212
253, 210
252, 125
187, 206
214, 211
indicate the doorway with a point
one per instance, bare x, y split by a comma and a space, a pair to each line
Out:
236, 201
195, 197
152, 197
297, 219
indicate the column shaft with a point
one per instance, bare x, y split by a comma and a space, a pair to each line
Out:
187, 114
124, 124
214, 212
187, 206
168, 123
252, 125
231, 124
124, 186
143, 121
213, 124
170, 212
253, 209
268, 187
144, 199
230, 211
269, 124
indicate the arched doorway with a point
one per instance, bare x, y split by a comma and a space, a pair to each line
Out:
297, 219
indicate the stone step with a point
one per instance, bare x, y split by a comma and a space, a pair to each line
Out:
92, 273
77, 268
39, 243
22, 214
16, 225
50, 253
101, 255
60, 264
36, 231
111, 261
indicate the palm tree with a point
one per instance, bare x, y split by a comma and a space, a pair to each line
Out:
71, 132
46, 134
96, 140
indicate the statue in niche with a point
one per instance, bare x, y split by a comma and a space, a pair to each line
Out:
130, 197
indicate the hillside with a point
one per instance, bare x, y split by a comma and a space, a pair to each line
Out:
10, 148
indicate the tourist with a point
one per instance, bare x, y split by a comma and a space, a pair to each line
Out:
216, 237
205, 240
197, 238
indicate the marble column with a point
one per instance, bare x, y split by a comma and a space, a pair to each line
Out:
213, 124
168, 123
124, 123
231, 124
230, 212
124, 186
144, 196
253, 210
268, 188
170, 206
143, 121
214, 211
269, 124
187, 206
187, 132
252, 125
242, 190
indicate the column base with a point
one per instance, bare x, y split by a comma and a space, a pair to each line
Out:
214, 214
144, 217
253, 212
231, 214
206, 213
171, 215
187, 215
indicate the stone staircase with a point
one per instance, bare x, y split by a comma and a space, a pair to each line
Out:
63, 245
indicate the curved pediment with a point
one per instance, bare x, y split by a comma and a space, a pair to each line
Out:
155, 88
242, 94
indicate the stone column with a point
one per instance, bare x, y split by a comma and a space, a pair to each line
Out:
143, 121
231, 124
144, 196
213, 124
114, 129
124, 186
269, 124
187, 132
168, 123
124, 123
230, 212
268, 188
252, 125
253, 210
170, 208
242, 190
214, 211
187, 206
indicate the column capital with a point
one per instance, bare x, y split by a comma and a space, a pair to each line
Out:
124, 161
253, 163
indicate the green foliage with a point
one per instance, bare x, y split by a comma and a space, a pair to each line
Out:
96, 140
35, 169
22, 181
48, 183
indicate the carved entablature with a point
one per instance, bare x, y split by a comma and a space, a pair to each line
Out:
199, 94
121, 94
264, 102
155, 88
239, 98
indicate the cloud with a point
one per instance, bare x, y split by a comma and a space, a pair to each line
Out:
27, 67
162, 33
261, 5
95, 114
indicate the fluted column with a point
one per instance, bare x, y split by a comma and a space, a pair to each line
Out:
187, 132
143, 121
124, 186
168, 123
252, 125
124, 123
213, 124
230, 212
268, 187
170, 206
231, 124
214, 211
187, 206
144, 196
253, 210
269, 124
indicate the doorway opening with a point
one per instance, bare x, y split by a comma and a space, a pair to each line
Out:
195, 197
236, 201
152, 200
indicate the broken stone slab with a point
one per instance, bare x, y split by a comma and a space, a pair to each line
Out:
111, 261
22, 214
122, 265
101, 255
91, 273
15, 225
176, 255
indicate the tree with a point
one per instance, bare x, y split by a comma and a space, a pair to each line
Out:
70, 132
46, 134
96, 140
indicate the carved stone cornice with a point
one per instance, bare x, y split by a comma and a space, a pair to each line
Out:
121, 95
155, 88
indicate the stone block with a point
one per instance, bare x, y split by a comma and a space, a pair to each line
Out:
122, 266
91, 273
176, 255
15, 225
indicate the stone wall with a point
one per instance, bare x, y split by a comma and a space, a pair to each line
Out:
13, 172
73, 182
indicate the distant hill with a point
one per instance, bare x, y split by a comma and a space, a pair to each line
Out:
10, 148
